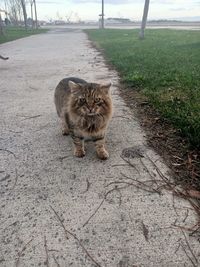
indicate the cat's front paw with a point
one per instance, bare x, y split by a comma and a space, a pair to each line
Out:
79, 153
103, 154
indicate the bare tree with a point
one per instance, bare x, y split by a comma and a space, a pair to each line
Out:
17, 9
31, 3
35, 9
34, 23
68, 16
1, 25
23, 4
144, 19
14, 11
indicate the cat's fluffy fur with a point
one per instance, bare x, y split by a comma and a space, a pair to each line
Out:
85, 110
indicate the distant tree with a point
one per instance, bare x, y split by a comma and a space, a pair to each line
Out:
23, 5
144, 19
1, 25
68, 16
34, 23
16, 10
35, 9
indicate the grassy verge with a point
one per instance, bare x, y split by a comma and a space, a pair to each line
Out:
165, 66
13, 33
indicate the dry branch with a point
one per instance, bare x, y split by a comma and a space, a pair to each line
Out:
21, 252
56, 262
76, 238
101, 203
31, 117
87, 186
46, 252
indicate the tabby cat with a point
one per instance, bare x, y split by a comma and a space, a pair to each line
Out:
85, 110
4, 58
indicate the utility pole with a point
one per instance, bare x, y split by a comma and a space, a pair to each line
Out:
102, 15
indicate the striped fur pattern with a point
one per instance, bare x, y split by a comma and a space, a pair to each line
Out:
85, 110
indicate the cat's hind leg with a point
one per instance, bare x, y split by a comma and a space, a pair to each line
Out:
64, 125
64, 128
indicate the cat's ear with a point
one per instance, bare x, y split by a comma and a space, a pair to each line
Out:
105, 87
74, 87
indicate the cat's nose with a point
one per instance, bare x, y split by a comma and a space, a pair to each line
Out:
91, 110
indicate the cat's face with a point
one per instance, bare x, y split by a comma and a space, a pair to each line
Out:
90, 99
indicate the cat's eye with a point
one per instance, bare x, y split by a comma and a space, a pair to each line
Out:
82, 100
97, 100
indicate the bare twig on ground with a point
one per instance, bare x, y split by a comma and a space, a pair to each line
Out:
135, 185
179, 244
186, 216
146, 169
189, 247
196, 230
87, 186
61, 222
63, 157
76, 238
145, 231
21, 252
46, 252
56, 262
131, 164
101, 203
31, 117
186, 253
149, 188
53, 250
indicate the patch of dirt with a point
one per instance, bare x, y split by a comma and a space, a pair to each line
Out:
166, 140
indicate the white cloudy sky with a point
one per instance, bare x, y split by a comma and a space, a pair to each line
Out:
90, 9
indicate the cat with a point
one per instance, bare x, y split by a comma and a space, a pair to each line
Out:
85, 110
4, 58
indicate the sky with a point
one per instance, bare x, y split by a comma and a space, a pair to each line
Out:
132, 9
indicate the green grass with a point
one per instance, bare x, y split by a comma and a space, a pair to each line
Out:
13, 33
165, 66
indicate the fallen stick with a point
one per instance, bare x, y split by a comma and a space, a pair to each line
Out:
21, 252
76, 238
46, 251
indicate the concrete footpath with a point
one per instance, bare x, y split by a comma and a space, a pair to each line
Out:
57, 210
